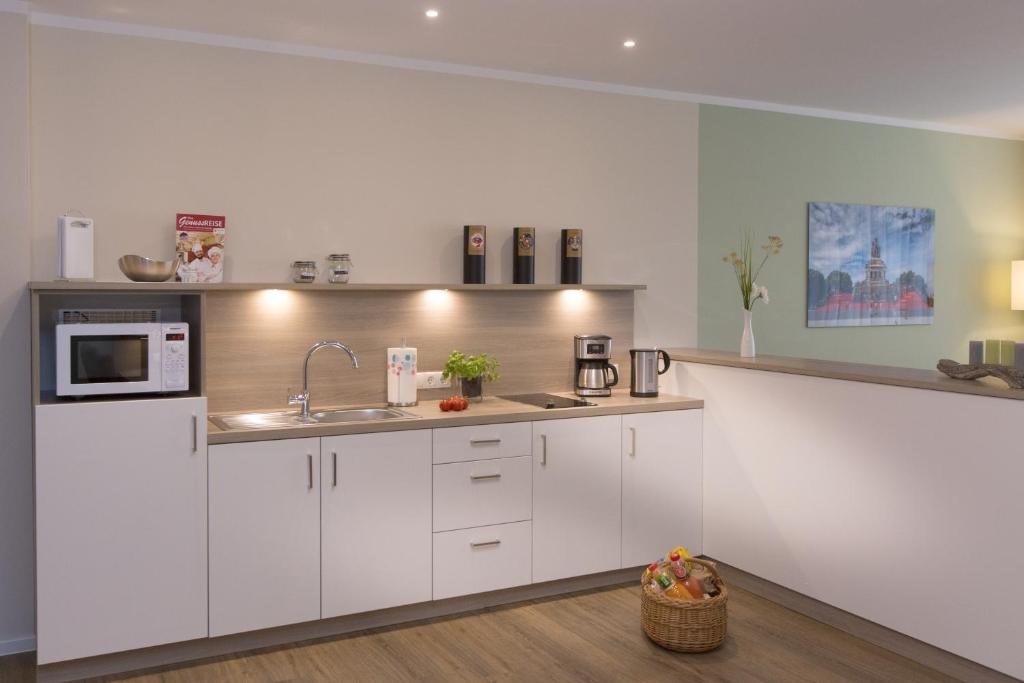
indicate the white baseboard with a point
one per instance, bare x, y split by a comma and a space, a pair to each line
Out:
11, 647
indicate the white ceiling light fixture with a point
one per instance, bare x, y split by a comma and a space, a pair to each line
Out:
432, 14
629, 43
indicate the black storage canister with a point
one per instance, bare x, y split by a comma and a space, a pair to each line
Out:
572, 256
524, 251
474, 254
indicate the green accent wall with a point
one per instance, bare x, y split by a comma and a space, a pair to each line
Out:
760, 170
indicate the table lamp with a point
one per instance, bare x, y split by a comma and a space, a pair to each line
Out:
1017, 286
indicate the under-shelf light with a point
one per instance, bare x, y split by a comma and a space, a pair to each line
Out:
437, 298
574, 299
275, 300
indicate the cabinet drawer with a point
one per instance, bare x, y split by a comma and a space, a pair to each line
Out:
482, 492
458, 444
477, 560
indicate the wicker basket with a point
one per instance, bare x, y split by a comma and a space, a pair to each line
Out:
684, 625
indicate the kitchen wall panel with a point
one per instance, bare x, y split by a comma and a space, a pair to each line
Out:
16, 544
257, 340
308, 157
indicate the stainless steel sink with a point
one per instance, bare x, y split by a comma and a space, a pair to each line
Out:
360, 415
286, 418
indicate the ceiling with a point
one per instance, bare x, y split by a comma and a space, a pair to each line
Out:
945, 63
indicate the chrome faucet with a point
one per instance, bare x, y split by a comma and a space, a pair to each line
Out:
303, 398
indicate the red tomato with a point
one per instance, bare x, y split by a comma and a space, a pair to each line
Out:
463, 403
446, 405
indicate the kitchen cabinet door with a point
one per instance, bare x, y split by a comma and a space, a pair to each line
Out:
376, 521
264, 534
661, 484
577, 487
120, 525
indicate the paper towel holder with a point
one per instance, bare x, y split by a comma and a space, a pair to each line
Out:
401, 375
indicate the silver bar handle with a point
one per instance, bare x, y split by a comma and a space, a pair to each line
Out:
195, 433
478, 477
334, 469
484, 442
485, 544
544, 449
633, 432
309, 463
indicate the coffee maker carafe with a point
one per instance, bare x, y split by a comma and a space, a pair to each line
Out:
593, 365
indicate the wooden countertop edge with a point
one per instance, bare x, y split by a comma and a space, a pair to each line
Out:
431, 417
911, 378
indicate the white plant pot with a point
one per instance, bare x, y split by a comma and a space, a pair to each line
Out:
747, 341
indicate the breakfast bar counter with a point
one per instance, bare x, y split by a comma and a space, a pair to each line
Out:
868, 488
914, 378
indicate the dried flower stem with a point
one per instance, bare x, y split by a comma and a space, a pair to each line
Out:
746, 274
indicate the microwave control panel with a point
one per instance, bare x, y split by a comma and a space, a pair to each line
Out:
175, 357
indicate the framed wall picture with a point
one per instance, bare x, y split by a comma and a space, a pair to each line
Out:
870, 265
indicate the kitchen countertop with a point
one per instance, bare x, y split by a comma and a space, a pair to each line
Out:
491, 410
914, 378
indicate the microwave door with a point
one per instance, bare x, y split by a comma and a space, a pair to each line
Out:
109, 363
109, 358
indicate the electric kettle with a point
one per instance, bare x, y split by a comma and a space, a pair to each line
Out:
644, 366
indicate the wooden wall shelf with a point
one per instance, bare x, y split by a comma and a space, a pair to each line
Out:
71, 286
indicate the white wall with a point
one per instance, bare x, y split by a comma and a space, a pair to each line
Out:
308, 157
899, 505
16, 552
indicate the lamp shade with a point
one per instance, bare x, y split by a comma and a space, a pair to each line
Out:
1017, 286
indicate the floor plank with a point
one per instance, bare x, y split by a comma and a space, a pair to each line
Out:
593, 636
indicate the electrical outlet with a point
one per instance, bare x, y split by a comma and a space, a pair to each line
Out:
431, 380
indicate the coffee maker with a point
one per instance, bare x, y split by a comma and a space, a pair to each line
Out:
593, 365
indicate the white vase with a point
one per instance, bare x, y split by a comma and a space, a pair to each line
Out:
747, 342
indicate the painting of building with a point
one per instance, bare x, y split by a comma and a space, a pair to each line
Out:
870, 265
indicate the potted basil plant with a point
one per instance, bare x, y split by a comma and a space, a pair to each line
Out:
471, 372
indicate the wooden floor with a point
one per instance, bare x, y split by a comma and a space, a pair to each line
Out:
591, 636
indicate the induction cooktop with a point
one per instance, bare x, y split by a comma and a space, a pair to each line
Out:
548, 401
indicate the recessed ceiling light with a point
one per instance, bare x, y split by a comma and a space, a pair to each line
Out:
432, 14
629, 43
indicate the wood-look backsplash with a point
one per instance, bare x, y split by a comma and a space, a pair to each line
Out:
257, 340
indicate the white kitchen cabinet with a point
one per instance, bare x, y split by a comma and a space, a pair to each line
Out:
577, 496
482, 492
483, 559
376, 521
120, 525
481, 442
661, 484
264, 534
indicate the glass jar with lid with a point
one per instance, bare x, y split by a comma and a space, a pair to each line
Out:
304, 272
339, 266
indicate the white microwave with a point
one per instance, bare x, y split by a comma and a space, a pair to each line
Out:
121, 358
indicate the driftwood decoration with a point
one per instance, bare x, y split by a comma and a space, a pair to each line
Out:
1013, 377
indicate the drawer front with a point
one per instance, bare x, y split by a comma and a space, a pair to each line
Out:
459, 444
490, 558
482, 492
